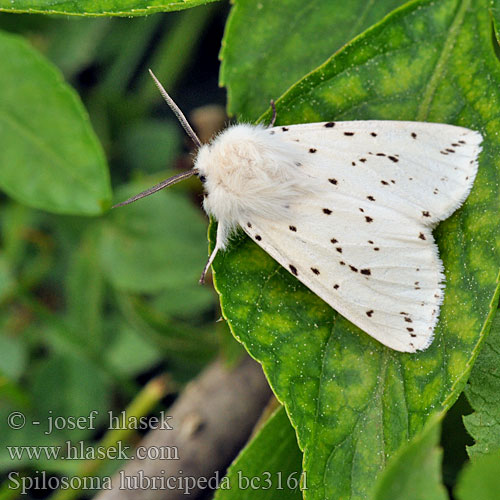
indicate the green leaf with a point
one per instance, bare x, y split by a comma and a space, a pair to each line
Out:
282, 41
49, 156
85, 294
129, 353
495, 12
73, 43
99, 7
155, 244
150, 145
354, 402
13, 357
480, 479
69, 385
277, 476
7, 283
483, 393
414, 473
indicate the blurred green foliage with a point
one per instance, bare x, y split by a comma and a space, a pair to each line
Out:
92, 307
97, 303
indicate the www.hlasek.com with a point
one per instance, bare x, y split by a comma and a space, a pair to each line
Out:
140, 481
81, 451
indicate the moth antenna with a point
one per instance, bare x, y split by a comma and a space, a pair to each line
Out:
178, 113
273, 119
163, 184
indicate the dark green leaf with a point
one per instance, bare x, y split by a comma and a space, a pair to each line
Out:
414, 473
480, 480
49, 155
68, 385
269, 45
99, 7
13, 358
150, 145
85, 294
73, 43
129, 353
483, 393
269, 467
354, 402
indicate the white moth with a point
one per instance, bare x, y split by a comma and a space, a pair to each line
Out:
346, 207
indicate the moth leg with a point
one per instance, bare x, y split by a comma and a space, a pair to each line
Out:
273, 119
208, 264
219, 245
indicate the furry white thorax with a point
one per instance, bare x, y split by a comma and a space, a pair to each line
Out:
249, 171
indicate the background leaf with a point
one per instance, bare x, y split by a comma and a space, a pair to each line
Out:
415, 472
282, 41
144, 252
354, 402
483, 393
480, 479
99, 7
49, 155
278, 476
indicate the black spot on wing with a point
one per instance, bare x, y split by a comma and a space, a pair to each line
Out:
414, 135
369, 313
293, 269
292, 228
258, 237
422, 236
312, 150
336, 287
366, 272
349, 134
327, 211
330, 124
334, 240
315, 270
368, 219
371, 198
333, 181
